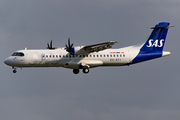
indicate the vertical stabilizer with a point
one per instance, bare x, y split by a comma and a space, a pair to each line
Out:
157, 38
153, 47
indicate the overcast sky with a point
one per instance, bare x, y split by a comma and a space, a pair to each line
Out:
144, 91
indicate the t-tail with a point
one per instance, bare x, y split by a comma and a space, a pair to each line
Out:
153, 47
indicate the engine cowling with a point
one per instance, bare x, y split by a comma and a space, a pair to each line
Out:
78, 50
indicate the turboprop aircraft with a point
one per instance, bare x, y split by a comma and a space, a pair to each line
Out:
91, 56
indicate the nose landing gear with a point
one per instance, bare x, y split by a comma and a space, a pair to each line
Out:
14, 71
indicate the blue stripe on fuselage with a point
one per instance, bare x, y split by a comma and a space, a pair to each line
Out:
143, 56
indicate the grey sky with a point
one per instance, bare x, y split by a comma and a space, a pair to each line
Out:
148, 90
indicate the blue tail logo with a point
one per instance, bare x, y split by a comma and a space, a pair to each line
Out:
157, 43
157, 38
154, 45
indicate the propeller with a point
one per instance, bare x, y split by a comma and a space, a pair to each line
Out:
49, 46
69, 46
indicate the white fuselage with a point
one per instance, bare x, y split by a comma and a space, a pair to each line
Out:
60, 58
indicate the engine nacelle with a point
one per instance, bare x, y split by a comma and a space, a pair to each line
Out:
78, 50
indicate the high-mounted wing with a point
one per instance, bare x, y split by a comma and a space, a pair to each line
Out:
87, 49
99, 47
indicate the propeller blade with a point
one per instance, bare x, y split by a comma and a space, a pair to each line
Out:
69, 42
51, 44
47, 45
66, 47
69, 46
72, 45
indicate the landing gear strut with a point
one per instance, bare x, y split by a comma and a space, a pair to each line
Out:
14, 69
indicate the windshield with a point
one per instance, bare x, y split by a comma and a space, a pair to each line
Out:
18, 54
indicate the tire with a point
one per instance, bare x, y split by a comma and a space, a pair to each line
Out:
85, 70
14, 71
75, 71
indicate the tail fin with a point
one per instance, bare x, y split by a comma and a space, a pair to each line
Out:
157, 38
153, 47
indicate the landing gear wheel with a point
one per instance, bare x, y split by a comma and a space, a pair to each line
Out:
14, 71
75, 71
85, 70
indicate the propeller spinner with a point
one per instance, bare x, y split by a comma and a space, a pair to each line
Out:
69, 46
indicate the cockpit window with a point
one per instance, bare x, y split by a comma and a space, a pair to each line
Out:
18, 54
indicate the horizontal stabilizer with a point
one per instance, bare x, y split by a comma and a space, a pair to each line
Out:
162, 27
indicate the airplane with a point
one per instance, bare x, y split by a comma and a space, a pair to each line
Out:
91, 56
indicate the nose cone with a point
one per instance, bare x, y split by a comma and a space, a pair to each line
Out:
7, 61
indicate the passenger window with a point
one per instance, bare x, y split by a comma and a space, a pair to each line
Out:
53, 56
117, 55
60, 56
49, 56
79, 55
90, 55
104, 55
124, 55
86, 55
56, 56
114, 55
100, 55
83, 55
97, 55
110, 55
120, 55
93, 55
107, 55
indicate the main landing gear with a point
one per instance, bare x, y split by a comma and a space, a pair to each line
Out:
85, 71
75, 71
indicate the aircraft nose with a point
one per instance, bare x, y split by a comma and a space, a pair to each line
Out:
6, 61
